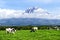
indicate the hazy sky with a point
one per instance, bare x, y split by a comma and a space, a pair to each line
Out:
51, 5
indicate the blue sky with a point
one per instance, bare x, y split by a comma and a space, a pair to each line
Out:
23, 4
52, 6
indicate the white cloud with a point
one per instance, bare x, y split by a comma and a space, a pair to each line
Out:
9, 13
39, 10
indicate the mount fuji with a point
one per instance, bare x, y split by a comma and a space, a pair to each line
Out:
31, 16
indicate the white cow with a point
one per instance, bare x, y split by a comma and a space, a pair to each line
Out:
10, 30
57, 28
34, 29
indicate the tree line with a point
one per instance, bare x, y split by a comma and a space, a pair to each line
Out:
27, 27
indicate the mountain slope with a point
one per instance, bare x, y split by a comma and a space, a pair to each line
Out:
29, 21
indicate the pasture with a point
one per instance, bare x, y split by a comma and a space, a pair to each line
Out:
27, 35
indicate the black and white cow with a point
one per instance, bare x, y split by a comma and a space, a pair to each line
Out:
33, 29
10, 30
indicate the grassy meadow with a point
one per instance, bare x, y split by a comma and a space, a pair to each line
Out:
27, 35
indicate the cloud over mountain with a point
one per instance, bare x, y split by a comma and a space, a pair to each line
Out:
28, 13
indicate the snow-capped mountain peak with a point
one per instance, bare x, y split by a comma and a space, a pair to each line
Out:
36, 10
30, 10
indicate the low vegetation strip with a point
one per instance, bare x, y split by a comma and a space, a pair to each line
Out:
27, 35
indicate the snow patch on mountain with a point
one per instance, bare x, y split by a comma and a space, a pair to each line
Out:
35, 10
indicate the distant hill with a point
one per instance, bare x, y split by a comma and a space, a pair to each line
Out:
29, 21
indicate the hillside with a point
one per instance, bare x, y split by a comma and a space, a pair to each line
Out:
29, 21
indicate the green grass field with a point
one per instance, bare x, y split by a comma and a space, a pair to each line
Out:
27, 35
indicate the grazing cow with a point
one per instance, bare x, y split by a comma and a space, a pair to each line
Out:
10, 30
34, 29
57, 28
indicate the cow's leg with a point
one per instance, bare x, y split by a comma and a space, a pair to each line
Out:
7, 32
13, 32
32, 30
